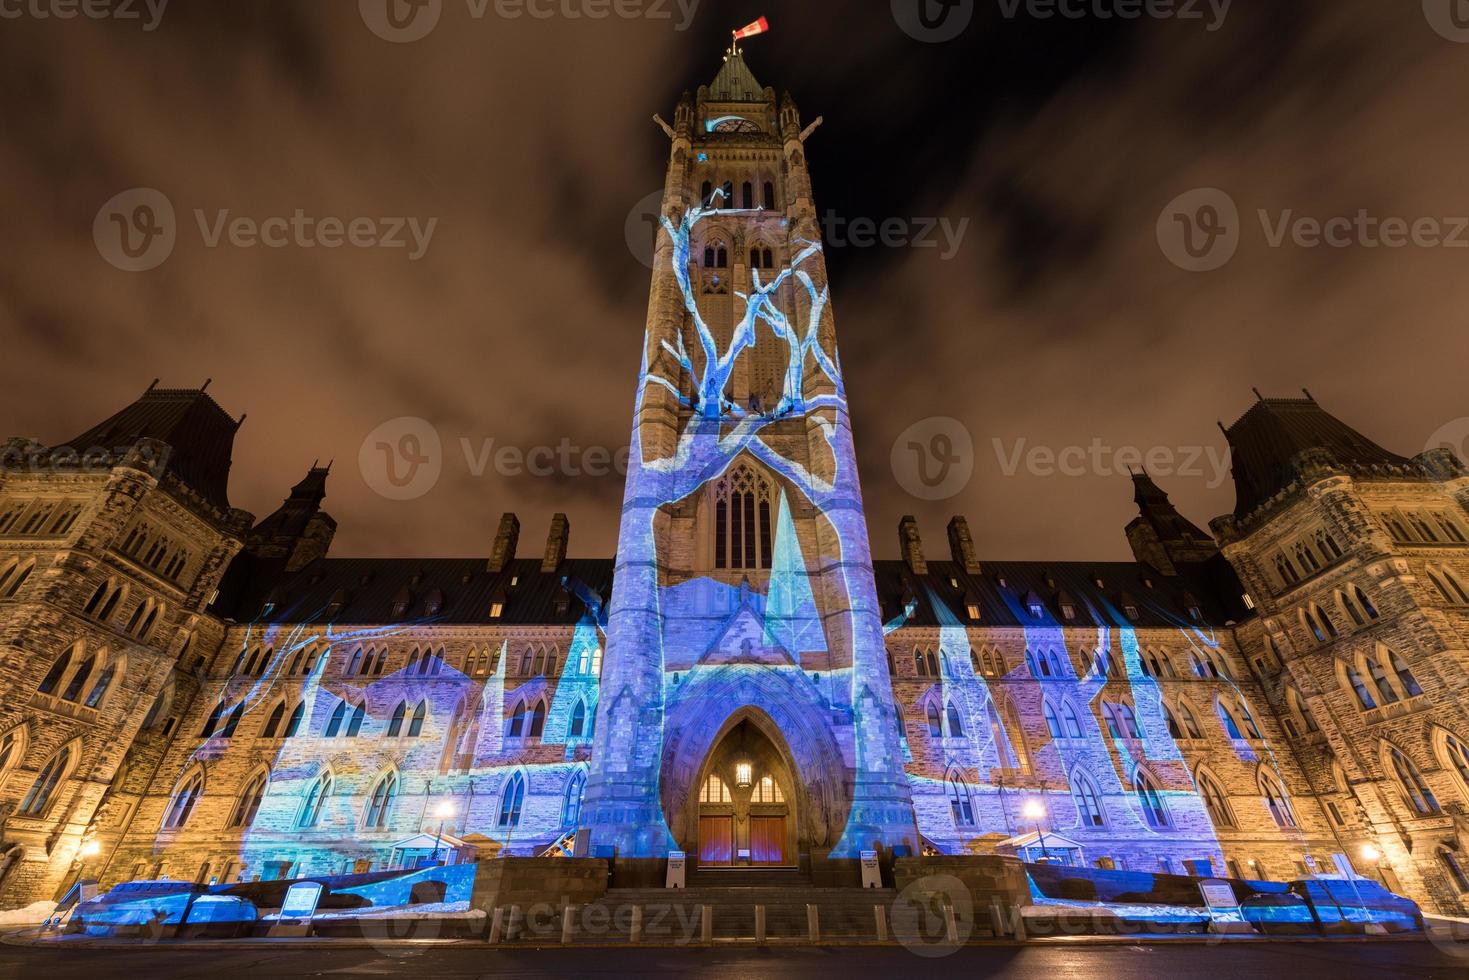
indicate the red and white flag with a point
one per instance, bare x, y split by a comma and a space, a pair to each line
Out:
750, 30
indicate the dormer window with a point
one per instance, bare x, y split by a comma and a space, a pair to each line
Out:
1037, 610
1248, 600
497, 609
1130, 611
1195, 613
972, 609
1068, 611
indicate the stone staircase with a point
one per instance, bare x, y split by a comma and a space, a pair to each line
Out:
676, 915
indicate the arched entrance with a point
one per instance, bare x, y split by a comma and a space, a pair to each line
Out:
746, 818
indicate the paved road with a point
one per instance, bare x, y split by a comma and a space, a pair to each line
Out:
1299, 961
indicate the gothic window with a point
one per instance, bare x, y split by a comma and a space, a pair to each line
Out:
1189, 719
1053, 724
1150, 797
527, 660
1215, 801
183, 802
58, 669
1276, 801
714, 790
517, 720
249, 802
212, 722
1350, 607
381, 801
38, 798
956, 725
727, 200
1121, 723
742, 525
747, 195
511, 801
12, 747
1173, 728
1455, 869
315, 802
1452, 750
571, 800
294, 725
578, 720
1327, 544
706, 193
395, 724
769, 196
1301, 710
538, 720
1405, 676
1359, 687
961, 805
935, 724
272, 724
1385, 692
1365, 603
14, 576
233, 721
1227, 718
415, 727
767, 790
1450, 527
1286, 570
333, 725
1088, 803
1411, 782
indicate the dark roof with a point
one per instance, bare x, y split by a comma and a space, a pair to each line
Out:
297, 510
1004, 590
1154, 507
735, 82
1265, 440
369, 590
200, 434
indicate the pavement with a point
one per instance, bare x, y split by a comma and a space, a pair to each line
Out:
1057, 960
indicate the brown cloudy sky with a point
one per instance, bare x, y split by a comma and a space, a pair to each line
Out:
1058, 321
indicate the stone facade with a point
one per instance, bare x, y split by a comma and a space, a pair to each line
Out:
232, 701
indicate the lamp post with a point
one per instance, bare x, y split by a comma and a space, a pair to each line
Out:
1372, 853
1036, 810
443, 811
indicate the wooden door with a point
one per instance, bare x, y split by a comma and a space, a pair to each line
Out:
767, 840
716, 840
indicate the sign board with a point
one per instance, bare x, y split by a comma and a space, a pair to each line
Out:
297, 908
677, 861
1218, 896
871, 872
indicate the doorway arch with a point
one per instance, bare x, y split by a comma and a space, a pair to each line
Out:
744, 791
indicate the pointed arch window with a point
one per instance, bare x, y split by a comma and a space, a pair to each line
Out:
182, 804
1231, 724
1070, 721
538, 720
334, 724
1088, 802
14, 577
380, 804
511, 801
420, 714
961, 805
43, 789
1359, 687
248, 805
272, 724
1410, 780
395, 724
1452, 748
1365, 603
54, 675
1404, 674
578, 720
768, 195
1215, 802
12, 747
935, 723
79, 679
294, 725
212, 722
354, 726
714, 790
1455, 869
1385, 691
1150, 797
742, 525
1276, 801
572, 798
517, 720
316, 797
1053, 724
956, 724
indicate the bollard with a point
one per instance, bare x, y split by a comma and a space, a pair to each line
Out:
813, 923
497, 924
880, 914
635, 933
760, 924
706, 913
997, 918
568, 923
1019, 918
512, 927
950, 925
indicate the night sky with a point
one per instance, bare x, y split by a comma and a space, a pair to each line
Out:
1058, 320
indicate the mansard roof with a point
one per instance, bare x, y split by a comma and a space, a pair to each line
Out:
370, 591
1005, 591
735, 82
200, 434
1266, 439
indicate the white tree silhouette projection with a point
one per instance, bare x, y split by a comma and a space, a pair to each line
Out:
710, 431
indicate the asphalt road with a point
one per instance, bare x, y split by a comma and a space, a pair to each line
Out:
1299, 961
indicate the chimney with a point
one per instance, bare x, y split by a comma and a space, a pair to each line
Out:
505, 539
912, 546
961, 545
556, 543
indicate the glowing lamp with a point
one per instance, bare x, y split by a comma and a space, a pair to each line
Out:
1033, 810
1371, 853
444, 810
89, 848
743, 774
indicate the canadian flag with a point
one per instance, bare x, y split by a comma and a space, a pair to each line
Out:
750, 30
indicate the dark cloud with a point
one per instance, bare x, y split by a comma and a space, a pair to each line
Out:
1057, 322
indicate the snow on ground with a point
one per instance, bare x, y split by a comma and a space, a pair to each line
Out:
30, 915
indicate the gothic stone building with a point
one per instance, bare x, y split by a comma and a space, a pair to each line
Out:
194, 694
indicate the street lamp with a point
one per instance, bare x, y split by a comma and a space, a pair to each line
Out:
89, 849
1036, 810
443, 811
1372, 853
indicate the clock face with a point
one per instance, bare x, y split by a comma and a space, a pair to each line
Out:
732, 124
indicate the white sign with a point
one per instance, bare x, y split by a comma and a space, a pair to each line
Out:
676, 863
1218, 896
871, 873
301, 900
